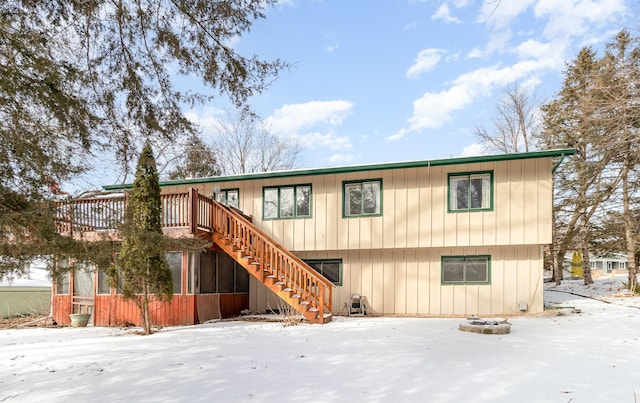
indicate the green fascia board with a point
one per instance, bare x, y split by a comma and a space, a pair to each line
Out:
363, 168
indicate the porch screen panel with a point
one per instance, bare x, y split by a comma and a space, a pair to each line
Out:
242, 279
226, 276
103, 282
207, 273
62, 281
174, 259
83, 280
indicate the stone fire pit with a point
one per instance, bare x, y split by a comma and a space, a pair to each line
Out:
486, 326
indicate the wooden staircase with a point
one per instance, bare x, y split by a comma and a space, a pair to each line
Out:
295, 282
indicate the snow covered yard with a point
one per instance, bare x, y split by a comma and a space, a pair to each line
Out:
592, 356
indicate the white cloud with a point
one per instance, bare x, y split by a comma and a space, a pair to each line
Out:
462, 3
410, 26
474, 149
331, 48
315, 140
443, 13
207, 118
425, 61
570, 18
341, 158
293, 117
501, 13
498, 42
434, 109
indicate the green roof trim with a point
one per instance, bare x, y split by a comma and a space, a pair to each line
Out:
561, 153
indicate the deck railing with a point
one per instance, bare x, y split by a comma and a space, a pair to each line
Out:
107, 213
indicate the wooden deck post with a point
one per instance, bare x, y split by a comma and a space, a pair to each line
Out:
193, 215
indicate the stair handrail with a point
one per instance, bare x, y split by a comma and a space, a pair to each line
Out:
224, 215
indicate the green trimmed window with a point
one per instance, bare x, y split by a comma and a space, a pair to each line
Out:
331, 269
362, 198
471, 191
228, 197
286, 202
466, 269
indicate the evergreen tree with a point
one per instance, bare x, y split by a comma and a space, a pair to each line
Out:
583, 183
142, 267
80, 78
596, 112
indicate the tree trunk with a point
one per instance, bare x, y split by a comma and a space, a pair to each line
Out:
145, 318
628, 230
584, 247
558, 260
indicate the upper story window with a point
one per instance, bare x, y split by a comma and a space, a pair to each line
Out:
466, 269
286, 202
471, 191
362, 198
331, 269
229, 197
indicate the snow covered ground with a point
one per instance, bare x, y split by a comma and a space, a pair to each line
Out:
591, 356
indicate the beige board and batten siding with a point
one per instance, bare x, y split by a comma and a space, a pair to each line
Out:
408, 282
415, 213
394, 260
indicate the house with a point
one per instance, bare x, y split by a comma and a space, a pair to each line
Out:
607, 265
29, 294
445, 237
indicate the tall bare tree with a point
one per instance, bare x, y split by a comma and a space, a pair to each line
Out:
516, 124
244, 145
194, 159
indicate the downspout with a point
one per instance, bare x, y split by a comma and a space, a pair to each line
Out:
555, 168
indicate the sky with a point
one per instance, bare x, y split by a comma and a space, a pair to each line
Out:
582, 351
390, 80
376, 81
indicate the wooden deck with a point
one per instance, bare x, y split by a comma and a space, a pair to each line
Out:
191, 214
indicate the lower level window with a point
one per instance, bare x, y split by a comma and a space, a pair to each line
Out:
331, 269
466, 269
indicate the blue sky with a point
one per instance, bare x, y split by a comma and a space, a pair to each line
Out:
375, 81
381, 80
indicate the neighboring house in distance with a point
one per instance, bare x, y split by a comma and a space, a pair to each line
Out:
445, 237
610, 265
26, 295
